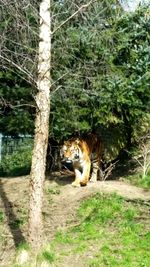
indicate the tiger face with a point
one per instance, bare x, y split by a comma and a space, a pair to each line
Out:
71, 151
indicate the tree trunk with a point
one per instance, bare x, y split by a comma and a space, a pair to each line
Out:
41, 128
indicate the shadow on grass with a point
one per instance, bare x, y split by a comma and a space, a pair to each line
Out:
13, 221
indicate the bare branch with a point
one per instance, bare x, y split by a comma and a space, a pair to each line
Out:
73, 15
62, 76
4, 103
22, 105
19, 68
107, 172
143, 157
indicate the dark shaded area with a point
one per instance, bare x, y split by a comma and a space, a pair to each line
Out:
64, 178
125, 165
16, 171
13, 221
53, 155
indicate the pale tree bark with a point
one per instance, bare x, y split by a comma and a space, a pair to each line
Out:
41, 128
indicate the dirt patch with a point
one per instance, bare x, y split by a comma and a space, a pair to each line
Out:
60, 203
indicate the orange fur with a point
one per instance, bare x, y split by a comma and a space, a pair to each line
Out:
80, 151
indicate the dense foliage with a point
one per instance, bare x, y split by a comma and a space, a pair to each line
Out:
18, 66
106, 75
100, 72
17, 105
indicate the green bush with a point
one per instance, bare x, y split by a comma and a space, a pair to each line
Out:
17, 163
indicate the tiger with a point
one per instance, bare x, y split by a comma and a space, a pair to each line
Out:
85, 155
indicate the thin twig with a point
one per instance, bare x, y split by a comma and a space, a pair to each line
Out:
22, 105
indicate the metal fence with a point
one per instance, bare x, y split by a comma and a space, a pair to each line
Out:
10, 144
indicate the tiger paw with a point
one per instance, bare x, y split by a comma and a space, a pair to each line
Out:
76, 184
83, 183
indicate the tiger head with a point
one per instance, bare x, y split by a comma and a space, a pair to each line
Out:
71, 151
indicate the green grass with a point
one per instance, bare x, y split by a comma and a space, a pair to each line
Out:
53, 191
140, 181
23, 246
48, 256
109, 232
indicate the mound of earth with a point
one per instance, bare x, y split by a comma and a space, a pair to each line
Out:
60, 203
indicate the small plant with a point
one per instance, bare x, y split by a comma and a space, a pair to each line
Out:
53, 191
143, 155
23, 246
1, 216
50, 192
17, 223
48, 256
145, 182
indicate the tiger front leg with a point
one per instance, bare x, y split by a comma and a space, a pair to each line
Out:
85, 174
78, 176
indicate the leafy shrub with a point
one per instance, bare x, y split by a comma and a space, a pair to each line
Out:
17, 163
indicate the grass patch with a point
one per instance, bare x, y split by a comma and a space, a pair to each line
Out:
53, 191
23, 246
110, 232
48, 256
140, 181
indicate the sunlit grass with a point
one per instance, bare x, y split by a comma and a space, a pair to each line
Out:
140, 181
106, 231
109, 232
